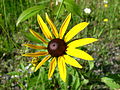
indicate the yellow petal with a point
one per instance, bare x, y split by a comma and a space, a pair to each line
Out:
62, 68
44, 28
42, 62
34, 46
64, 26
36, 54
72, 61
76, 29
52, 67
38, 36
54, 30
81, 42
78, 53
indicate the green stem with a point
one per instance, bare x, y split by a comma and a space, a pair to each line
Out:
21, 5
9, 36
59, 9
66, 84
38, 78
4, 10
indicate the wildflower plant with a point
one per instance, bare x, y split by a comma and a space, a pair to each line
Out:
105, 5
59, 47
105, 20
87, 10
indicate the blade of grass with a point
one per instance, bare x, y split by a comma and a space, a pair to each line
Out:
59, 9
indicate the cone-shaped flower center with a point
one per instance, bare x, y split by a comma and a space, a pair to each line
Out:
57, 47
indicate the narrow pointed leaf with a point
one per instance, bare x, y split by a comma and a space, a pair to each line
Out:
29, 13
111, 83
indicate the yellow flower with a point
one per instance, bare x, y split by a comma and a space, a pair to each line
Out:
105, 5
105, 20
35, 61
60, 49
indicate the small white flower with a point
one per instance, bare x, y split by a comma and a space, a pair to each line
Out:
105, 1
57, 1
27, 67
14, 76
20, 70
87, 10
26, 85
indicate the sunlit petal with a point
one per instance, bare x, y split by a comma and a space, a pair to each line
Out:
54, 30
42, 62
78, 53
72, 61
34, 46
81, 42
64, 26
38, 36
62, 68
44, 28
76, 29
36, 54
52, 67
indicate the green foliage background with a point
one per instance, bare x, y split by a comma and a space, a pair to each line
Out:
18, 16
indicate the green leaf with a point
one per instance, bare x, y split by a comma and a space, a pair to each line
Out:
110, 82
37, 79
29, 13
77, 82
82, 48
22, 66
14, 73
31, 82
85, 81
91, 64
116, 77
72, 7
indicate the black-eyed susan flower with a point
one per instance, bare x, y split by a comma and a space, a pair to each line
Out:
59, 47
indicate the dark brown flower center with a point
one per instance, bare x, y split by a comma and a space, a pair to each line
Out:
57, 47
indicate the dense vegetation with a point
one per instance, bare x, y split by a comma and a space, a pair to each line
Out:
18, 16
